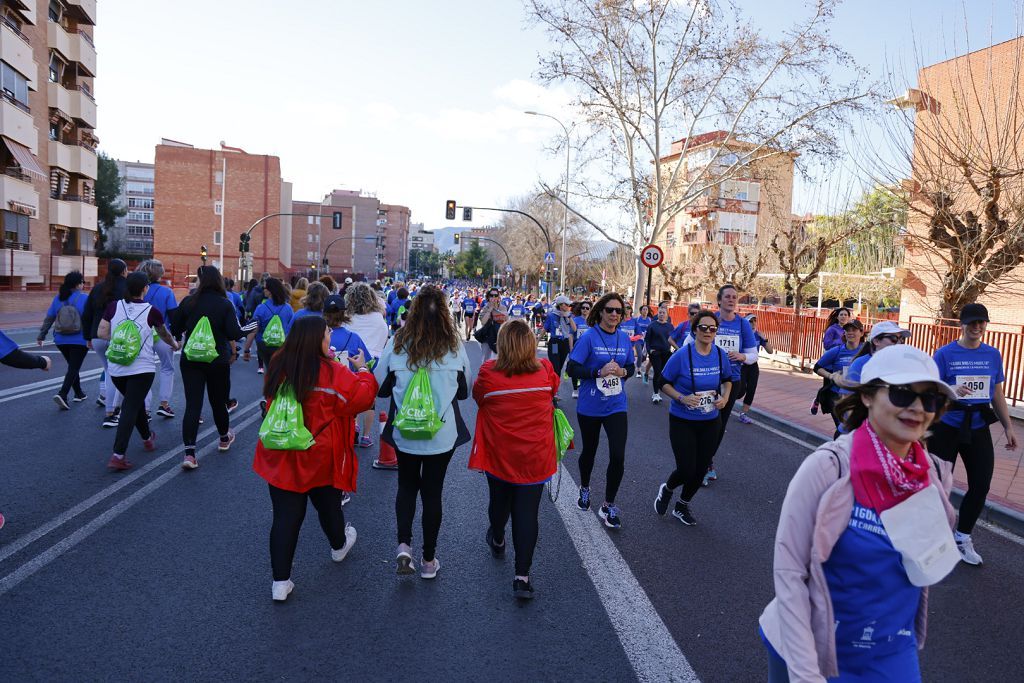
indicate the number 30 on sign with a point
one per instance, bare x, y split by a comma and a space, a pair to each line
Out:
652, 256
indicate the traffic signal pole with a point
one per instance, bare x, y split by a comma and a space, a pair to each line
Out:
450, 208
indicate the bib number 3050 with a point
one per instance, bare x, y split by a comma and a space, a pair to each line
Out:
609, 386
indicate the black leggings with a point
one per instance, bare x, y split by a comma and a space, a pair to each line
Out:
979, 463
264, 353
133, 410
615, 427
658, 360
422, 474
750, 375
215, 380
75, 355
558, 353
694, 443
726, 412
521, 503
289, 511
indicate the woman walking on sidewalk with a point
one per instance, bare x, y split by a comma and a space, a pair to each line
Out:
65, 315
603, 360
330, 395
514, 443
751, 373
427, 341
976, 372
697, 380
100, 297
133, 377
162, 299
851, 596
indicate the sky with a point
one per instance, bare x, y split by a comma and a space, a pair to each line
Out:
415, 102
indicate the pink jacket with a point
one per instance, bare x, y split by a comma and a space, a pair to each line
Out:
799, 622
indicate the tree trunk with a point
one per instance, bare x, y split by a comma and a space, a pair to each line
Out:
640, 281
796, 341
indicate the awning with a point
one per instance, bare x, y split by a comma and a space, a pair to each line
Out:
23, 155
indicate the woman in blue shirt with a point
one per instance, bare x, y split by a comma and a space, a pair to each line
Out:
643, 321
603, 359
697, 379
835, 363
162, 299
561, 329
67, 335
580, 311
313, 302
277, 304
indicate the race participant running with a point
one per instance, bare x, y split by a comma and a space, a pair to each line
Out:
834, 336
643, 321
491, 317
580, 310
682, 330
603, 360
835, 363
975, 370
366, 318
518, 310
751, 373
276, 304
65, 316
659, 344
697, 380
468, 306
883, 334
561, 329
100, 297
162, 298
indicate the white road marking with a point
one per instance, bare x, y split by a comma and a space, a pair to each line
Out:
124, 480
39, 561
14, 393
784, 435
652, 651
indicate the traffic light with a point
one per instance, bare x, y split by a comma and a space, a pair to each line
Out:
312, 266
467, 213
202, 253
458, 238
326, 263
337, 220
243, 243
449, 210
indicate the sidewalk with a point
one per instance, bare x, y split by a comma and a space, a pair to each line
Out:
784, 395
15, 321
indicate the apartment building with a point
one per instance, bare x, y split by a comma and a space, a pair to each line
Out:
750, 202
197, 192
132, 233
47, 131
420, 239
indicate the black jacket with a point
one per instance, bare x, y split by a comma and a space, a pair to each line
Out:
223, 322
97, 304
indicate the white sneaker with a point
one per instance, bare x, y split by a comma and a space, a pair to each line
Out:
655, 398
967, 552
280, 590
428, 570
575, 393
404, 559
350, 540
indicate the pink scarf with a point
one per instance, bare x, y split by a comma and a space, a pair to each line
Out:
880, 479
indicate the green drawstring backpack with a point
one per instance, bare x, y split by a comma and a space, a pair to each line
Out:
563, 434
126, 340
418, 418
201, 346
284, 429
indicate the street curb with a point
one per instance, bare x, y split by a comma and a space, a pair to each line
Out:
994, 513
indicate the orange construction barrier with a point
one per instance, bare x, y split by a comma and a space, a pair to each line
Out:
388, 459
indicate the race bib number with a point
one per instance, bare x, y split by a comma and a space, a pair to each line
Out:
341, 356
978, 384
609, 386
707, 401
728, 342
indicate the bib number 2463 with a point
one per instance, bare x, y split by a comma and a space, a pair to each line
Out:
609, 386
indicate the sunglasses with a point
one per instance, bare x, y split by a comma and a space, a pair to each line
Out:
904, 397
892, 338
612, 311
585, 308
707, 328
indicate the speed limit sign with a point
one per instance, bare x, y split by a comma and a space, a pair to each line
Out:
652, 256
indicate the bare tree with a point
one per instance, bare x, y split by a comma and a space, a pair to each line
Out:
735, 264
648, 70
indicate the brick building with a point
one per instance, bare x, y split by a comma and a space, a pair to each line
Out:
189, 186
48, 144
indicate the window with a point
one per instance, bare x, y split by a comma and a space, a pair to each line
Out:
56, 11
55, 131
139, 203
216, 238
56, 67
138, 188
218, 177
309, 239
15, 86
15, 228
218, 208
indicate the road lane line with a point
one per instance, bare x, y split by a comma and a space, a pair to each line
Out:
46, 557
652, 651
784, 435
48, 383
65, 517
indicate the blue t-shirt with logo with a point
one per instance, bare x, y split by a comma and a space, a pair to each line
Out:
629, 326
505, 302
837, 359
348, 342
595, 349
980, 369
162, 298
581, 325
267, 310
689, 372
857, 367
517, 311
78, 300
735, 335
642, 324
469, 305
679, 334
874, 604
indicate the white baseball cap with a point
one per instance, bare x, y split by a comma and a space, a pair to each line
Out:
561, 299
348, 281
887, 327
902, 364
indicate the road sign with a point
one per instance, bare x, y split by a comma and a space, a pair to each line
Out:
479, 271
652, 256
549, 257
508, 267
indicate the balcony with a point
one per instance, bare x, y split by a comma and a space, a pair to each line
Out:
17, 261
75, 45
71, 211
85, 9
16, 123
18, 194
73, 158
16, 50
76, 103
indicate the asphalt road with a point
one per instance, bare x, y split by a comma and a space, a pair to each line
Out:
161, 574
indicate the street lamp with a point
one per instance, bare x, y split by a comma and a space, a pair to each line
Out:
565, 214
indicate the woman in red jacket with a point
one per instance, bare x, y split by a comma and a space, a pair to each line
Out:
514, 443
331, 396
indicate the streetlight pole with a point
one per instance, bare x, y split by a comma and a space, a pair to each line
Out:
223, 193
565, 213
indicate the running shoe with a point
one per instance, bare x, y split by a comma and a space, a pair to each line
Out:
118, 464
79, 399
232, 404
345, 498
263, 407
189, 463
149, 445
646, 379
712, 475
655, 398
522, 590
683, 514
638, 374
497, 550
575, 393
101, 402
259, 371
378, 465
165, 411
350, 540
149, 416
745, 419
428, 570
967, 552
814, 407
609, 514
365, 442
583, 503
280, 590
226, 441
110, 420
663, 499
61, 402
404, 558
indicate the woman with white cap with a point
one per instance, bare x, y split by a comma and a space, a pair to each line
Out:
865, 528
561, 329
883, 334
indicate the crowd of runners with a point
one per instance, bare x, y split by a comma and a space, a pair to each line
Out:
328, 350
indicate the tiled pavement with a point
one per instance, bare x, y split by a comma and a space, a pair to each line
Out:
786, 394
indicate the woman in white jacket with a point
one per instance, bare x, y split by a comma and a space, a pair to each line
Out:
366, 311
